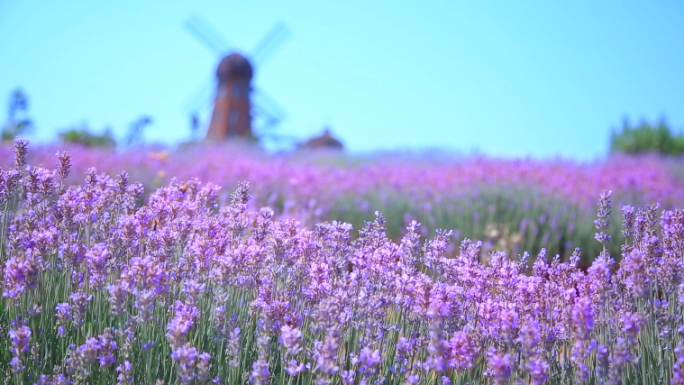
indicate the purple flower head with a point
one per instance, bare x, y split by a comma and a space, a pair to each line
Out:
530, 335
16, 365
678, 366
294, 367
260, 372
234, 347
144, 303
463, 351
627, 220
204, 367
21, 273
631, 324
107, 348
55, 379
124, 370
603, 221
325, 353
88, 351
20, 151
634, 269
369, 358
509, 323
183, 320
498, 366
117, 298
20, 339
62, 313
539, 371
192, 289
412, 379
291, 338
185, 358
64, 163
79, 306
583, 317
348, 377
97, 259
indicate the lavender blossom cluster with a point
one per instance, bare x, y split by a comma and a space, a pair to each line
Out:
514, 205
98, 288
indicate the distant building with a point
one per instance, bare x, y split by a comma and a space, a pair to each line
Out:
232, 116
325, 141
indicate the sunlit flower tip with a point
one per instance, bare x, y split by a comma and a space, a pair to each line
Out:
20, 151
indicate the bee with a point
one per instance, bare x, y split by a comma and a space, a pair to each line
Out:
155, 223
183, 188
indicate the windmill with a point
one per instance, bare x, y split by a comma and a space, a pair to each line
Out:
237, 106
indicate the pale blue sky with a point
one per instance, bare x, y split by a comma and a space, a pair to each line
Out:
509, 78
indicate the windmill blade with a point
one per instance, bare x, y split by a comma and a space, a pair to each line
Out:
281, 142
201, 99
265, 47
201, 30
280, 138
264, 121
266, 105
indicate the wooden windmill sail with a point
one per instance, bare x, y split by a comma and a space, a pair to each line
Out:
235, 101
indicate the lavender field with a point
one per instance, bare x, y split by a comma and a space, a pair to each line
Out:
512, 205
225, 265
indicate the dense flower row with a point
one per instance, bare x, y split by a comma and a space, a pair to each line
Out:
512, 205
98, 289
302, 177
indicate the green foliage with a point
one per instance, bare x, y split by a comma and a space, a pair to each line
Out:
17, 121
521, 217
647, 138
83, 136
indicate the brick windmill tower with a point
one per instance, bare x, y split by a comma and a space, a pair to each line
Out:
232, 116
236, 104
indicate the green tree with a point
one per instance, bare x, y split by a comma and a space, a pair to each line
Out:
85, 137
646, 138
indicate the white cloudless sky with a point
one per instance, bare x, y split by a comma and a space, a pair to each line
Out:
508, 78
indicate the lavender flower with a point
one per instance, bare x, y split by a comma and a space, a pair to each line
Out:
125, 377
678, 366
233, 347
79, 306
627, 221
20, 151
463, 351
185, 357
98, 262
498, 366
343, 309
62, 313
117, 299
603, 221
19, 339
107, 346
64, 166
583, 318
539, 371
291, 338
204, 367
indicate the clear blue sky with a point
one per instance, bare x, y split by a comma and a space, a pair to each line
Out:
509, 78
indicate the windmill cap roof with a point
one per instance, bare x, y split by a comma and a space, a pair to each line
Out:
234, 65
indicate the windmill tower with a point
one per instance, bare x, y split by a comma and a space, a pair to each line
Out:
236, 104
232, 116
